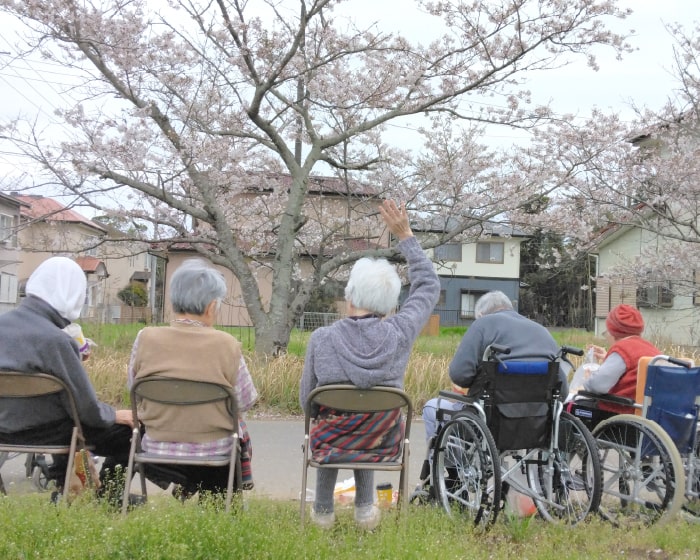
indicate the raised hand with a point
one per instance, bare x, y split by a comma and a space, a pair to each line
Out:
396, 219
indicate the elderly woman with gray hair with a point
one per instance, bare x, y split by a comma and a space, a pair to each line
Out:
190, 348
371, 346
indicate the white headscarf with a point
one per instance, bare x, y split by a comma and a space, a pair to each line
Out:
61, 283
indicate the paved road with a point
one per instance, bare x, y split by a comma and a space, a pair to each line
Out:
277, 460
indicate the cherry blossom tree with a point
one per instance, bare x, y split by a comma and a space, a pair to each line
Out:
643, 175
212, 120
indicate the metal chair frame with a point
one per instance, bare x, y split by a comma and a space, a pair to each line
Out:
348, 398
181, 392
20, 385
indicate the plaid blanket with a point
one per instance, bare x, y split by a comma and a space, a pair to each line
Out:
361, 437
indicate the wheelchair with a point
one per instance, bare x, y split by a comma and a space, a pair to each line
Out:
36, 468
514, 437
650, 458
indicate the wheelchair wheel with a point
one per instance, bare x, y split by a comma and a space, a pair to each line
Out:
691, 505
568, 479
466, 469
38, 470
643, 473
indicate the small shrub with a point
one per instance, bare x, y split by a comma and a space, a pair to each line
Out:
133, 295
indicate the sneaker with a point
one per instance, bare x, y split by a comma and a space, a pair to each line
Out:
322, 520
367, 517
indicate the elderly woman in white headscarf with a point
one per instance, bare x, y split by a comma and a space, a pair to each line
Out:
33, 341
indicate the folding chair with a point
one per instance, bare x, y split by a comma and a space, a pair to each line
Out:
181, 393
348, 398
18, 385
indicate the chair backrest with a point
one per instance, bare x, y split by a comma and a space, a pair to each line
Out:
518, 399
182, 392
348, 398
672, 399
15, 384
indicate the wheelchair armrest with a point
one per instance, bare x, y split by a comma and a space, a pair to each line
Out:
457, 397
606, 397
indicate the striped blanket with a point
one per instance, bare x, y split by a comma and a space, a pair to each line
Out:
357, 437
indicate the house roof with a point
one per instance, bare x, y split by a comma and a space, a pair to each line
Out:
89, 264
441, 224
319, 184
11, 200
44, 208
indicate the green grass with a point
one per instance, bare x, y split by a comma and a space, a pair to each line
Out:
165, 529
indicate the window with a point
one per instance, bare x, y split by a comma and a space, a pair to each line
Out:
467, 302
655, 295
489, 252
8, 233
91, 245
449, 252
8, 288
442, 298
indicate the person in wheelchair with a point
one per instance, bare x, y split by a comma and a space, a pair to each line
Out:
370, 347
617, 373
496, 323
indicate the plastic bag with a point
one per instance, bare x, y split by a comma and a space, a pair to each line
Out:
585, 370
84, 476
344, 492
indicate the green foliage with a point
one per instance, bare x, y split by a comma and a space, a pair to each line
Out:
323, 299
133, 295
165, 529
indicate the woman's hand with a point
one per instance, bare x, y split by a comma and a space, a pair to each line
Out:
124, 417
598, 352
396, 219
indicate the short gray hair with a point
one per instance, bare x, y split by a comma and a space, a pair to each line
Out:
194, 285
373, 285
491, 302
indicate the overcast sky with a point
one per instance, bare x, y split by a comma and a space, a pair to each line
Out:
642, 77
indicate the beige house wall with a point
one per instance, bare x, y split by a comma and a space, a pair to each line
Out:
10, 257
509, 268
676, 325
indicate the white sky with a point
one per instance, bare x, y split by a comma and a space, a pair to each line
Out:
642, 77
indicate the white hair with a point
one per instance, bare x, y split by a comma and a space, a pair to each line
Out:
194, 285
491, 302
373, 285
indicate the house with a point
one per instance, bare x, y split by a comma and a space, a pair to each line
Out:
48, 228
468, 269
669, 301
339, 216
649, 265
9, 251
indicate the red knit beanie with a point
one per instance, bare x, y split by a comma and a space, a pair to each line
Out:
624, 320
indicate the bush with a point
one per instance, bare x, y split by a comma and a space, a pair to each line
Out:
133, 295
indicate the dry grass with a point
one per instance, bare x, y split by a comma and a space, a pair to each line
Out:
277, 380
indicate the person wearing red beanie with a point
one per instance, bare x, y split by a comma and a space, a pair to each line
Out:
617, 374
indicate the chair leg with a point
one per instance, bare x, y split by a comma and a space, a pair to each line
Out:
304, 473
130, 473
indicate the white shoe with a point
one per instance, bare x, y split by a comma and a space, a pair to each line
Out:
367, 517
322, 520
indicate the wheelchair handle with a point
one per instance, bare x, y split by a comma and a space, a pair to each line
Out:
564, 350
672, 360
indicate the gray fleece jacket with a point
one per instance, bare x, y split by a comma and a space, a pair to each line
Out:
31, 340
525, 338
371, 351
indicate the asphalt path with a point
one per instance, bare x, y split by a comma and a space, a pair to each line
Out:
277, 461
